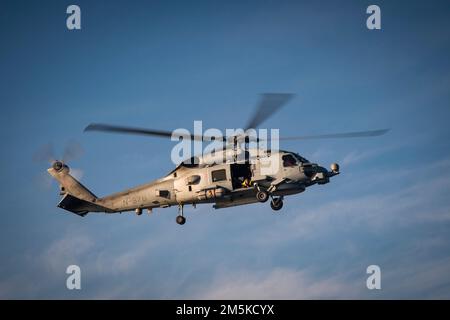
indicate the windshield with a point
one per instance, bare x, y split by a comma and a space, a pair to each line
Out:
288, 160
300, 158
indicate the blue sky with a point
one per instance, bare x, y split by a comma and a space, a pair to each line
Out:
165, 64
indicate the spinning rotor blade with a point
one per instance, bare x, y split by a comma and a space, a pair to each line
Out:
358, 134
268, 105
44, 154
43, 181
73, 150
140, 131
128, 130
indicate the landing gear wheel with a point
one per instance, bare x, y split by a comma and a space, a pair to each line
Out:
276, 204
262, 196
181, 220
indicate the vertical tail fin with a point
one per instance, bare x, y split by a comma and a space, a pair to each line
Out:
69, 185
76, 197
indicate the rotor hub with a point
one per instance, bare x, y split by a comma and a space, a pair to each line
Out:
58, 165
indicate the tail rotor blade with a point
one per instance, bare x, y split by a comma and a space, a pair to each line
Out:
73, 150
42, 181
44, 154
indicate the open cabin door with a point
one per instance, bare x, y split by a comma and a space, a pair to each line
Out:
241, 175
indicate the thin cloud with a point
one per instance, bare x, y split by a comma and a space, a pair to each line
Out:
280, 283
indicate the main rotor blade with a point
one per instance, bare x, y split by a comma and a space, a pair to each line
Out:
358, 134
128, 130
267, 106
140, 131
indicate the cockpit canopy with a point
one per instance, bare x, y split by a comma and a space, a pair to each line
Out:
300, 158
291, 159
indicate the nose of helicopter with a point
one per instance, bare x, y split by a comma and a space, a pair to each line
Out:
334, 168
322, 175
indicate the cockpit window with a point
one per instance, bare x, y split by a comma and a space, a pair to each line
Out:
301, 159
288, 160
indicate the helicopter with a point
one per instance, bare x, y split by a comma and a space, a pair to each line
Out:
243, 176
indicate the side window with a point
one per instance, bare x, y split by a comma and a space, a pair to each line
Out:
288, 161
219, 175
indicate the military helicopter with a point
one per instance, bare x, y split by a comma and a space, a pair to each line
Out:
240, 178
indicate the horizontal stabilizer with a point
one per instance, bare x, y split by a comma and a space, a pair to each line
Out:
78, 206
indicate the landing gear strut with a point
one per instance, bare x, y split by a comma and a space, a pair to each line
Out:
276, 203
180, 218
261, 195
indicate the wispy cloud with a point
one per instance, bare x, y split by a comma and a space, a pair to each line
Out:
72, 247
279, 283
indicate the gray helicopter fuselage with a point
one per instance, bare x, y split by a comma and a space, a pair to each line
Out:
226, 184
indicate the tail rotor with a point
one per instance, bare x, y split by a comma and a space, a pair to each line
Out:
46, 154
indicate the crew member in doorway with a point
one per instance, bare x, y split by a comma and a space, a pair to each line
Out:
246, 183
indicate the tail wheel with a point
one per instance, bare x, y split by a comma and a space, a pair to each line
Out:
181, 220
262, 196
276, 204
